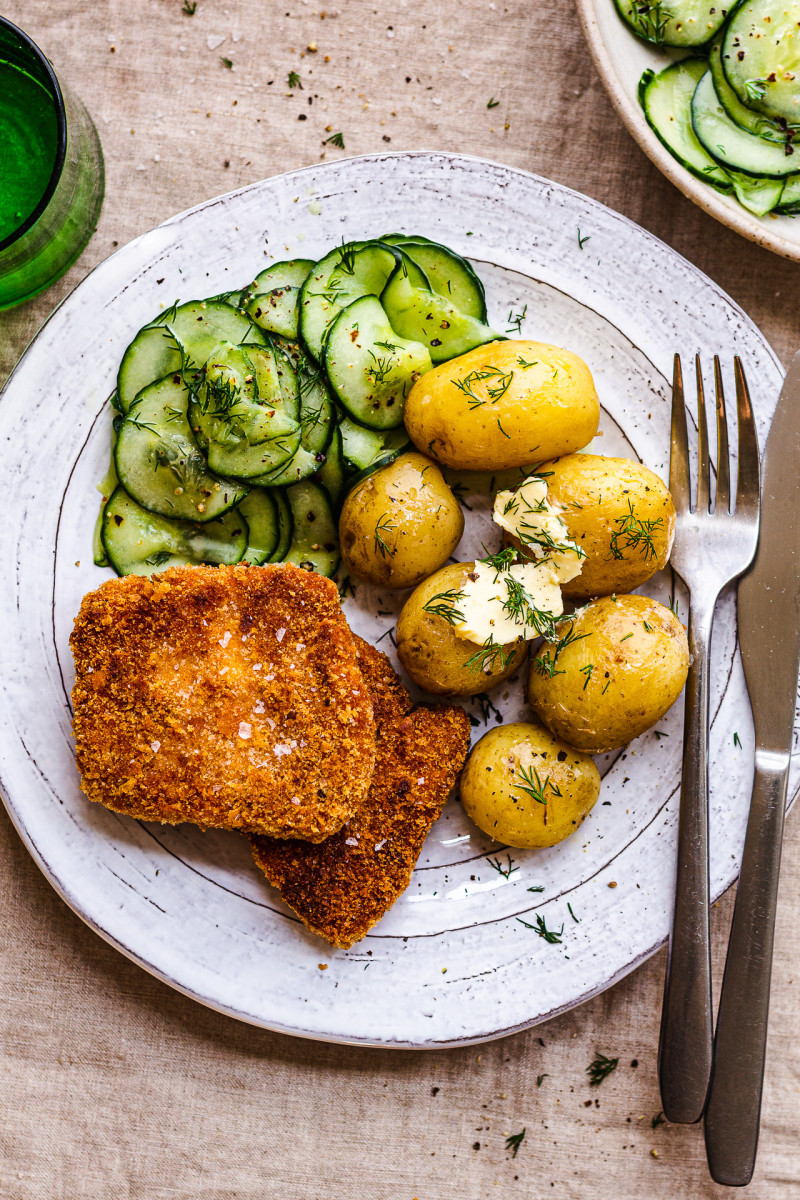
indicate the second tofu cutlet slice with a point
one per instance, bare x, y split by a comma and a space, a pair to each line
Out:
226, 696
342, 886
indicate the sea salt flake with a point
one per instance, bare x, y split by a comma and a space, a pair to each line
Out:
280, 750
295, 799
280, 634
351, 841
258, 707
155, 747
215, 39
223, 641
380, 845
257, 666
245, 730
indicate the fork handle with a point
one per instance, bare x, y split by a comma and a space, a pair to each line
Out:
734, 1100
685, 1044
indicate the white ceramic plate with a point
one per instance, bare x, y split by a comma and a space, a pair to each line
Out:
620, 58
451, 963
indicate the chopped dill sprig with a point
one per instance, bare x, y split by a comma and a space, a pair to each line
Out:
550, 935
515, 320
493, 103
506, 871
532, 784
381, 367
189, 9
572, 914
587, 671
545, 663
443, 605
525, 364
583, 240
336, 139
491, 657
521, 609
384, 526
294, 80
494, 391
600, 1068
634, 535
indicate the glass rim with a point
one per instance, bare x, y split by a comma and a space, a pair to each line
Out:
61, 123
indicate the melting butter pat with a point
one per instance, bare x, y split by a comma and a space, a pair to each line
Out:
529, 516
503, 605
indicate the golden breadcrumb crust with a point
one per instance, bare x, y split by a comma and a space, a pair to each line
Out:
342, 886
226, 696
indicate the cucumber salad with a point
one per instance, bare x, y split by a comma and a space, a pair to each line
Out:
730, 112
243, 420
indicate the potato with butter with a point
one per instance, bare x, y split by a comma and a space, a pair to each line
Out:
621, 663
400, 524
527, 788
427, 645
620, 514
503, 405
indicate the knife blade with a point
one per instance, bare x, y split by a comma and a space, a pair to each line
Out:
769, 636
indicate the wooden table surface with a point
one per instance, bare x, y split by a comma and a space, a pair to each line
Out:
116, 1087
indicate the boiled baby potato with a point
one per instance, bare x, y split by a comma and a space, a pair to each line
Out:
400, 524
503, 405
620, 514
527, 788
621, 663
429, 650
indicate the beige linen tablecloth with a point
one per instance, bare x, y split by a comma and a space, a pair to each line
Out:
114, 1087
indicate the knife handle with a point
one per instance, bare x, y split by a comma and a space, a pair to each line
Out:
684, 1052
734, 1101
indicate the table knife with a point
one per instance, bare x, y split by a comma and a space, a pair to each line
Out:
769, 636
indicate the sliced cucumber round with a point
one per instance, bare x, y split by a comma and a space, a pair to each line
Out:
362, 447
350, 271
761, 57
758, 196
740, 114
245, 412
732, 146
384, 461
317, 411
261, 513
159, 463
285, 525
674, 23
370, 368
667, 102
433, 320
332, 474
151, 355
448, 274
315, 539
272, 299
139, 542
790, 198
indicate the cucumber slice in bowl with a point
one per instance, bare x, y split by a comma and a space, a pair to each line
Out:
151, 355
674, 23
435, 321
332, 474
448, 274
733, 146
245, 411
159, 463
316, 426
761, 57
790, 198
272, 300
370, 368
139, 542
667, 102
350, 271
746, 118
263, 530
758, 196
315, 539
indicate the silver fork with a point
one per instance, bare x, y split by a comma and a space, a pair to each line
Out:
715, 541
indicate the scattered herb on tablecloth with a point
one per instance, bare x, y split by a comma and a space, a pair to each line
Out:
541, 1078
189, 9
514, 1141
658, 1119
226, 62
600, 1068
493, 103
294, 80
336, 139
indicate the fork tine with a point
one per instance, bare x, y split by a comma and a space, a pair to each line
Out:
703, 464
679, 478
723, 500
749, 475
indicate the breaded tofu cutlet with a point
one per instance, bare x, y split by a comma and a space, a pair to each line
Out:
226, 696
342, 886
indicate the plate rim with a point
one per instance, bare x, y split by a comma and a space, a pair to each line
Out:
49, 871
747, 224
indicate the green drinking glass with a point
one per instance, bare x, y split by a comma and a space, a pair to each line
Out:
51, 171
